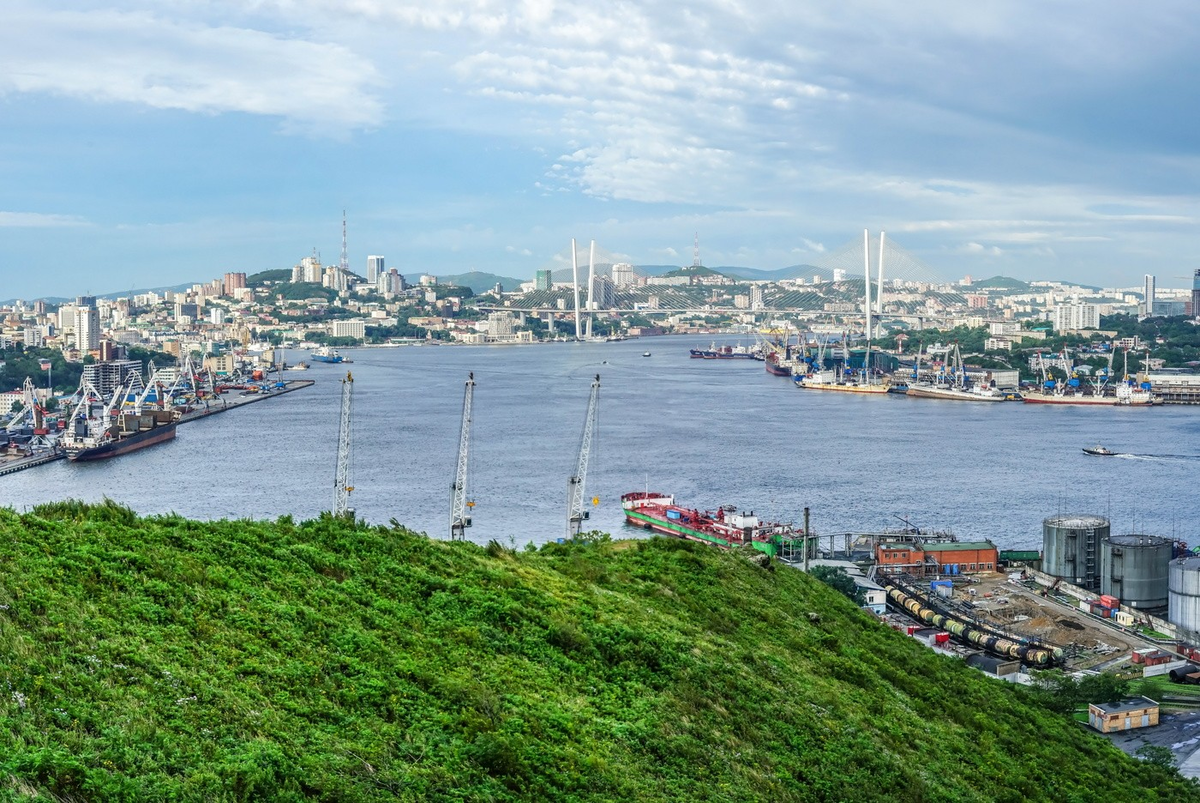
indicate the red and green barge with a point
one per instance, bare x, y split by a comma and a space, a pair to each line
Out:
726, 527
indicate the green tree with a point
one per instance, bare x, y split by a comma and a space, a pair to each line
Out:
1157, 755
837, 578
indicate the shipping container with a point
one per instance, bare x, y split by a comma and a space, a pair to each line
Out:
1109, 601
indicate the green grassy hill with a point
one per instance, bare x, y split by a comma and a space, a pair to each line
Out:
160, 658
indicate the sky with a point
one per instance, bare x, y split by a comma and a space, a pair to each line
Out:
148, 144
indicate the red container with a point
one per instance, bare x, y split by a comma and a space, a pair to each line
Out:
941, 638
1109, 601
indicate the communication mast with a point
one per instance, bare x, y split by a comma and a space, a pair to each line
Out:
345, 263
575, 486
341, 479
696, 251
460, 518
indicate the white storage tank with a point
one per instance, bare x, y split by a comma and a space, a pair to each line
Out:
1184, 585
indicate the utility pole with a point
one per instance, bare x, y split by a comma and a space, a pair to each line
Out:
341, 478
460, 519
575, 486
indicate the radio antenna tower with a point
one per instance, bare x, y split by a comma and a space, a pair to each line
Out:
696, 251
575, 512
460, 506
341, 478
345, 263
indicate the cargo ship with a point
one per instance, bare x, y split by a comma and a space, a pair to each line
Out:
326, 354
774, 367
83, 440
1123, 395
837, 380
724, 528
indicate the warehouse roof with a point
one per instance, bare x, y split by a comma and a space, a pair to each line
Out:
959, 545
1126, 705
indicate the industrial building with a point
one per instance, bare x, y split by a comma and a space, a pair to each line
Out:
1133, 712
951, 557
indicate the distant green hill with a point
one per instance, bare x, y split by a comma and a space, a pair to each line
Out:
166, 659
757, 275
481, 282
692, 270
1000, 283
262, 277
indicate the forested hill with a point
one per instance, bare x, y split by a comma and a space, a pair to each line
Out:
166, 659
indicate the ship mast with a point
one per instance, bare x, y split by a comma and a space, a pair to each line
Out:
575, 485
341, 477
459, 518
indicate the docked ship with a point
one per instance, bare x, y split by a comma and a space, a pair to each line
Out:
128, 421
950, 382
724, 528
1123, 395
128, 433
1094, 390
835, 380
775, 367
326, 354
953, 392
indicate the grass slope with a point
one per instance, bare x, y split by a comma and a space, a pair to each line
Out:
161, 658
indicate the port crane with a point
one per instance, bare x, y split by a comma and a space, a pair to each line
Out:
341, 477
460, 505
575, 486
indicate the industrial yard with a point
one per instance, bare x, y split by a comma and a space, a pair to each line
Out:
1089, 641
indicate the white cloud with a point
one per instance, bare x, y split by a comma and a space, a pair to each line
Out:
981, 250
811, 246
111, 56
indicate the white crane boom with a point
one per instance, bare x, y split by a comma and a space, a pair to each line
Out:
575, 485
460, 518
341, 477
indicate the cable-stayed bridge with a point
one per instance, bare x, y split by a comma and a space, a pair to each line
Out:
835, 287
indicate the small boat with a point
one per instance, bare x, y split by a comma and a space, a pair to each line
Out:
645, 354
1099, 450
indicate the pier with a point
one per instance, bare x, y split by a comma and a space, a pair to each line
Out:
238, 399
22, 463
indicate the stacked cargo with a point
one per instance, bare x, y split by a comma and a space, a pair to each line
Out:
1104, 607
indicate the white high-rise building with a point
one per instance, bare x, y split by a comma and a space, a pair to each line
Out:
374, 268
756, 296
1148, 296
1069, 317
311, 269
87, 328
622, 274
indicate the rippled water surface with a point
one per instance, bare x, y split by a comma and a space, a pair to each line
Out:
710, 431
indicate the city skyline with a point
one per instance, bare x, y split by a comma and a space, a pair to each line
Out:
150, 146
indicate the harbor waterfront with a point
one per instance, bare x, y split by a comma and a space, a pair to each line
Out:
724, 431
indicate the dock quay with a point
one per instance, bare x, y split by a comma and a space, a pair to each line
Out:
233, 399
22, 463
230, 400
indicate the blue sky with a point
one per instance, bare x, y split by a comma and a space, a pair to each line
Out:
147, 144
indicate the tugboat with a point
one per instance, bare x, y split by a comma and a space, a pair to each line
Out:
1099, 451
